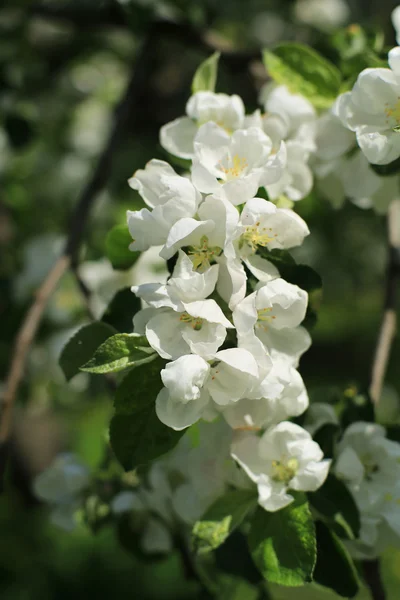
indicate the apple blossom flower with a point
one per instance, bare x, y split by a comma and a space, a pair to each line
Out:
235, 166
170, 196
284, 458
226, 111
191, 383
372, 111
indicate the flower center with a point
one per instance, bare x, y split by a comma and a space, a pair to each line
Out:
255, 236
393, 113
203, 254
370, 466
283, 471
196, 323
234, 167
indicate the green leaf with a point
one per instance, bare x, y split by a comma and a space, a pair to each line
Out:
304, 71
120, 352
117, 248
326, 437
334, 568
333, 500
82, 346
137, 436
225, 515
121, 310
283, 543
205, 78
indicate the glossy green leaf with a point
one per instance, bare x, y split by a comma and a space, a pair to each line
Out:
283, 543
137, 435
304, 71
81, 347
119, 352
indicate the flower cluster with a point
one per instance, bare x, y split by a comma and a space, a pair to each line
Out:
362, 129
369, 464
227, 324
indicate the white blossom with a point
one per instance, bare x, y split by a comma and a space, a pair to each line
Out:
284, 458
235, 166
372, 111
226, 111
191, 384
170, 197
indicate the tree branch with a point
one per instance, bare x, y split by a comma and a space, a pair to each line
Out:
389, 320
69, 256
384, 344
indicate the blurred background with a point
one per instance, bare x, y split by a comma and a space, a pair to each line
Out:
64, 66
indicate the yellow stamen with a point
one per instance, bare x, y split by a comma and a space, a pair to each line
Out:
203, 255
393, 113
235, 167
255, 236
283, 471
195, 322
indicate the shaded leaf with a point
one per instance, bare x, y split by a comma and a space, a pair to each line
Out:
221, 519
81, 347
334, 568
334, 499
117, 248
121, 310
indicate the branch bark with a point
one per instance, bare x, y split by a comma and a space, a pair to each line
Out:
389, 320
372, 574
97, 182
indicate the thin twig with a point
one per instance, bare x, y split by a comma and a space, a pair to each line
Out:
384, 344
24, 340
389, 320
78, 222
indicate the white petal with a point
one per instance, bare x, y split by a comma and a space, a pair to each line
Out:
178, 136
273, 496
232, 281
163, 332
186, 232
244, 450
179, 415
261, 268
208, 310
311, 477
146, 230
185, 377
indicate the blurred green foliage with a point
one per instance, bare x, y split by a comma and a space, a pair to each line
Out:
63, 68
